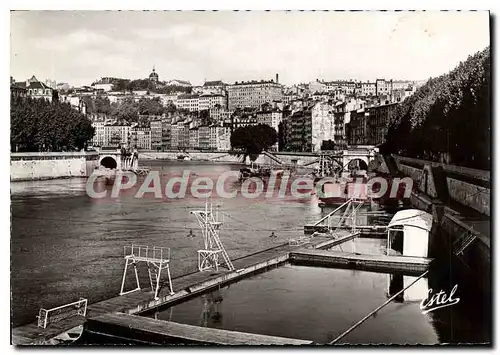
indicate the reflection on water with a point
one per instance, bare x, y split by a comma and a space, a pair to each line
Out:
417, 292
318, 304
308, 303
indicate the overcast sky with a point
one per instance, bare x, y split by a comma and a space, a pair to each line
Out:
79, 47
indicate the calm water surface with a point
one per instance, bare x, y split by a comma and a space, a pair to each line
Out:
66, 245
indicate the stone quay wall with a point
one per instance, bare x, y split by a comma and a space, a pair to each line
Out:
51, 165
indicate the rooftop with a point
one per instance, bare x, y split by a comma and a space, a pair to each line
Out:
17, 87
255, 82
212, 95
187, 96
184, 82
214, 83
32, 84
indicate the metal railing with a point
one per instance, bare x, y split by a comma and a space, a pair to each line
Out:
146, 253
329, 215
62, 312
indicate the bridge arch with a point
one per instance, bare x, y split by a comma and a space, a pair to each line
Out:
358, 163
359, 156
108, 161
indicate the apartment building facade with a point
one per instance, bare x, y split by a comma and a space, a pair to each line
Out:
220, 114
99, 134
342, 115
306, 129
156, 134
166, 134
253, 94
204, 137
188, 102
206, 102
368, 126
140, 137
220, 137
378, 123
194, 138
117, 134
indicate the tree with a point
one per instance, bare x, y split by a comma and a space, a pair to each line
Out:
141, 84
281, 136
121, 84
448, 118
328, 145
128, 111
55, 96
152, 106
38, 125
252, 140
170, 107
100, 104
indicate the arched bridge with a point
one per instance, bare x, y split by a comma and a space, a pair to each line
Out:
359, 156
115, 160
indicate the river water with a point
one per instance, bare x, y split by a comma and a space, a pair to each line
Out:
66, 245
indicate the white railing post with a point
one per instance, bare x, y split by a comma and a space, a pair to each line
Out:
43, 314
124, 274
84, 301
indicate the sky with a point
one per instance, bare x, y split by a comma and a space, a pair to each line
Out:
79, 47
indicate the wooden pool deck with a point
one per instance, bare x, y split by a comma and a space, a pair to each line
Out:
199, 282
147, 331
381, 263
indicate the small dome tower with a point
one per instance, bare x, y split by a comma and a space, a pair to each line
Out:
153, 76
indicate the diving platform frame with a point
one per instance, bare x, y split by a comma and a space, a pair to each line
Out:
213, 254
156, 260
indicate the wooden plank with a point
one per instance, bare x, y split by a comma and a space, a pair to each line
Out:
148, 330
365, 257
382, 263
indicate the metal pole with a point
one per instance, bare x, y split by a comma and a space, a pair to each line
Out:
376, 310
170, 282
124, 274
158, 282
150, 278
388, 241
136, 275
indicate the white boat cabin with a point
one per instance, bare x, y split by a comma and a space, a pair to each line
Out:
408, 233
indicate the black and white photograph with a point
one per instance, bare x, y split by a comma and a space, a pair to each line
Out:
250, 178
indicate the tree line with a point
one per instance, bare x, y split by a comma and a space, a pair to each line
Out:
128, 109
148, 85
448, 118
37, 125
